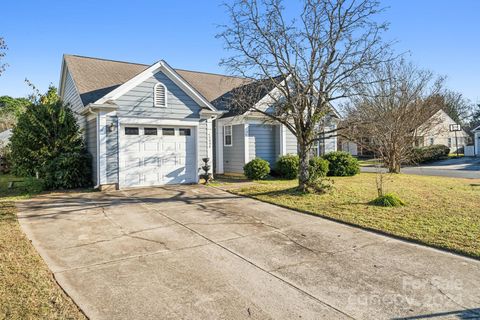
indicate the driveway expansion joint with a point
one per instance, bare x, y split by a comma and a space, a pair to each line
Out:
246, 260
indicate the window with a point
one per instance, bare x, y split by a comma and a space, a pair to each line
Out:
227, 136
184, 132
432, 141
131, 131
449, 142
150, 131
168, 131
160, 95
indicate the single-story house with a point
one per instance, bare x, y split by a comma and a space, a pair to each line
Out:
147, 125
437, 129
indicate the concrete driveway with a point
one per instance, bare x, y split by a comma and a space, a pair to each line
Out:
465, 167
193, 252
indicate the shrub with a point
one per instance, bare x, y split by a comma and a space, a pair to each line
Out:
32, 185
430, 153
388, 200
317, 168
67, 171
47, 141
341, 164
287, 166
317, 172
257, 169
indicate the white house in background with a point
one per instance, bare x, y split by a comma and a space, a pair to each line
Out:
476, 140
435, 130
152, 125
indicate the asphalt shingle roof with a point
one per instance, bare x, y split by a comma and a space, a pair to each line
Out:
96, 77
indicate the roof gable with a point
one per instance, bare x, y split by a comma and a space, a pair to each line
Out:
96, 78
150, 72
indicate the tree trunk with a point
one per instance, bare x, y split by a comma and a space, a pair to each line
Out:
393, 164
303, 167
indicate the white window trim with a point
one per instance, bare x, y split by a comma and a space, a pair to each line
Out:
155, 95
225, 135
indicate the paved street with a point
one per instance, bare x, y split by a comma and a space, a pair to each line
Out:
455, 168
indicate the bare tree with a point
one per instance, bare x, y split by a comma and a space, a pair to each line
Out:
393, 111
3, 48
309, 57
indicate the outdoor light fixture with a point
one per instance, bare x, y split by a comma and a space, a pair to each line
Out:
111, 127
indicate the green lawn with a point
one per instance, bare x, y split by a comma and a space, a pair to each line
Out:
441, 212
369, 162
27, 287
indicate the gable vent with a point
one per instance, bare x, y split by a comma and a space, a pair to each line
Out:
160, 95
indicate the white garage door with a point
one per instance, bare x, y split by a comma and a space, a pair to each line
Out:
156, 155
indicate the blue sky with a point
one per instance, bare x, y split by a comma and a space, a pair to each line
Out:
441, 35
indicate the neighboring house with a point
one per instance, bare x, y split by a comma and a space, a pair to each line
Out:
435, 130
152, 125
476, 141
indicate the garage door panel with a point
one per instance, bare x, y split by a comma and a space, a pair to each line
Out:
158, 159
133, 146
169, 160
152, 178
132, 162
151, 161
151, 146
132, 179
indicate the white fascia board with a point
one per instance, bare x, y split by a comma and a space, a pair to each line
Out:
151, 71
209, 114
61, 86
158, 121
96, 108
476, 129
249, 117
230, 121
266, 101
130, 84
191, 91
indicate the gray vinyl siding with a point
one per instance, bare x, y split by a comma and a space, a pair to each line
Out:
262, 142
234, 156
71, 96
112, 152
91, 141
138, 102
291, 142
202, 142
